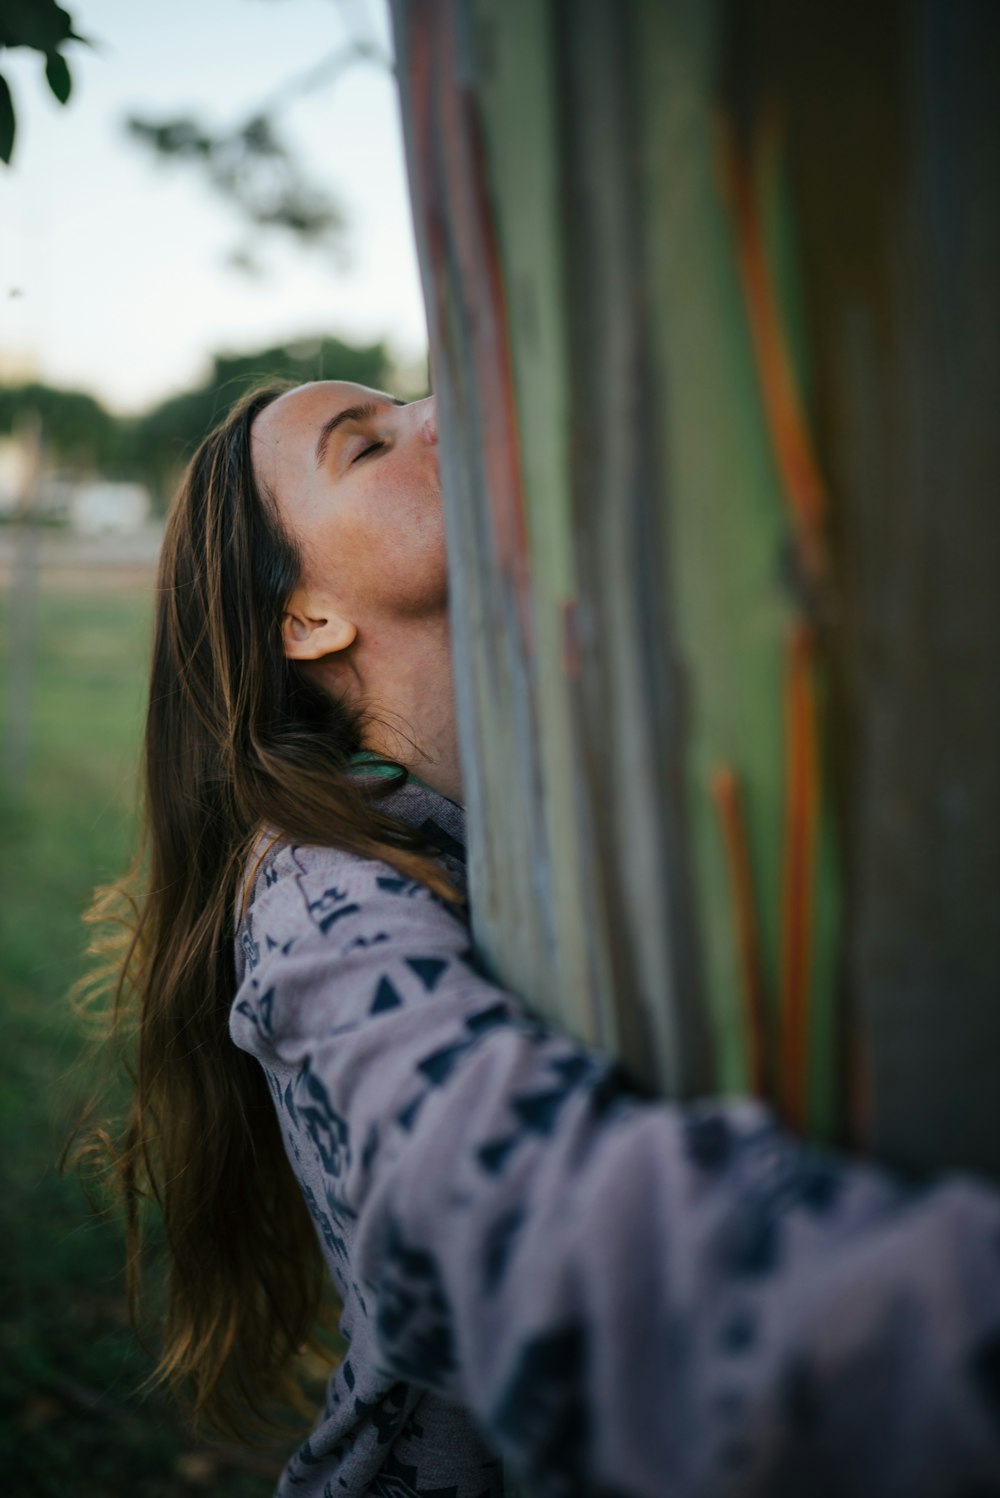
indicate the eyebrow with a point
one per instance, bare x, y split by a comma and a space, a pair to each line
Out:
363, 412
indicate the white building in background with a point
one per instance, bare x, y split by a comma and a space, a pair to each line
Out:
104, 508
90, 507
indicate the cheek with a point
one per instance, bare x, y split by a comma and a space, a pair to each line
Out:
387, 558
410, 559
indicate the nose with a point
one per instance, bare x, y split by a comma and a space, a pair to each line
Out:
428, 422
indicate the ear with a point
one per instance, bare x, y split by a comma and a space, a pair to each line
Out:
310, 630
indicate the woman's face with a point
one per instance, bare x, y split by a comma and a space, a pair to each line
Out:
354, 474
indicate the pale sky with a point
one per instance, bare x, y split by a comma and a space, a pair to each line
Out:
112, 264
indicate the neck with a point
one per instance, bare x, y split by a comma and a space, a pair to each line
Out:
407, 678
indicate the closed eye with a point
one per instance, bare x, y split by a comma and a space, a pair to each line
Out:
366, 452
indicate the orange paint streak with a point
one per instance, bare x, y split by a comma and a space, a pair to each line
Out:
808, 504
791, 441
728, 799
799, 893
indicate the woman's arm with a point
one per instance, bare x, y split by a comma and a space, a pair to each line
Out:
632, 1297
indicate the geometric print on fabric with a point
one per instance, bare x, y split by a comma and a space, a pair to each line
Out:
428, 970
537, 1113
413, 1318
893, 1384
386, 997
542, 1412
985, 1369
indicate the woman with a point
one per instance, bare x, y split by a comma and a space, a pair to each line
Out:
611, 1294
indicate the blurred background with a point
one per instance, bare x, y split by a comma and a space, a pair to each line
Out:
199, 197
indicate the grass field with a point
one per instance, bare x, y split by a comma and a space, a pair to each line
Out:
71, 1417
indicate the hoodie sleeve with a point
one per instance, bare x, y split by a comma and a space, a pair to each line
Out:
634, 1298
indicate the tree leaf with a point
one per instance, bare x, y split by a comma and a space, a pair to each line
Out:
57, 72
41, 24
7, 125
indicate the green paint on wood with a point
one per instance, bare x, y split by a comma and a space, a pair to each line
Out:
728, 521
627, 575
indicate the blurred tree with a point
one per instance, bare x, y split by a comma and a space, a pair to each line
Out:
157, 444
45, 27
80, 435
252, 168
248, 164
83, 438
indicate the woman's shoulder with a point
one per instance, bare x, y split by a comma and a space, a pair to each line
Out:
316, 883
278, 872
327, 902
327, 939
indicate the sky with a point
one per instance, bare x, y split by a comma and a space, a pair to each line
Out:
113, 273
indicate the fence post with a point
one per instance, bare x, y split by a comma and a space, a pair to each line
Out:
22, 623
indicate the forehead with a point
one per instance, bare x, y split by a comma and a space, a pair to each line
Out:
284, 434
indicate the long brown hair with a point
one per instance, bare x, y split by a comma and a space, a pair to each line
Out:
237, 739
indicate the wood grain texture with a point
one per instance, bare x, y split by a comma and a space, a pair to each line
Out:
714, 323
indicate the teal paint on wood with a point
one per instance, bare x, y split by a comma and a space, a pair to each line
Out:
564, 886
730, 535
728, 521
517, 48
630, 694
483, 493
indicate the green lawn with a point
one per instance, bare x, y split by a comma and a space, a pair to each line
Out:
71, 1419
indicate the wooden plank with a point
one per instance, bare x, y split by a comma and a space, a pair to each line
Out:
720, 471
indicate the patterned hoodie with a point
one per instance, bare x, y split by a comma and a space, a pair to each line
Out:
612, 1294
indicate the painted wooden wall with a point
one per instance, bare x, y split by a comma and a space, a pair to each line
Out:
715, 327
